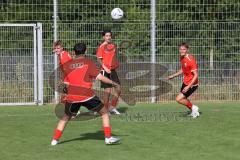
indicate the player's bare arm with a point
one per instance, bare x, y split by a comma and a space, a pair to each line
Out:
106, 69
100, 60
175, 74
103, 66
106, 80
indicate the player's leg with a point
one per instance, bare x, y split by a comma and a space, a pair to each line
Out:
116, 93
109, 139
59, 129
106, 97
182, 98
96, 105
107, 89
114, 101
71, 110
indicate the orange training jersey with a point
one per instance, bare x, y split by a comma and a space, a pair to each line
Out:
188, 64
107, 52
80, 73
63, 58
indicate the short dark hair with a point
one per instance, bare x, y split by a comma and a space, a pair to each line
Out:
184, 44
106, 31
80, 48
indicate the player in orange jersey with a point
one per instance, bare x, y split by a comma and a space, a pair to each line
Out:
189, 69
106, 54
63, 57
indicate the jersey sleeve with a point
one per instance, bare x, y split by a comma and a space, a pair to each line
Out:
66, 67
93, 70
100, 51
193, 65
65, 57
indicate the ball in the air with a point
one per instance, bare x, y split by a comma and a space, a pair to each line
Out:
117, 13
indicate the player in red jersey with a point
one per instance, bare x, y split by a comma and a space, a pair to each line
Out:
106, 54
189, 69
63, 57
80, 73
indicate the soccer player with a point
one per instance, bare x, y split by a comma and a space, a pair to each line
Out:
189, 69
63, 57
106, 54
80, 73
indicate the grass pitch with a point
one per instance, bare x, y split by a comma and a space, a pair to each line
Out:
148, 131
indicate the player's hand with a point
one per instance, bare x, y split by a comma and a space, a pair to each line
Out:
170, 77
117, 86
185, 89
106, 69
66, 84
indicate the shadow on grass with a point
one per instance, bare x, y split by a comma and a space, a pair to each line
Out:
186, 114
84, 116
98, 135
122, 109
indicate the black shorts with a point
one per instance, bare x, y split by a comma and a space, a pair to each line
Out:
190, 91
113, 76
93, 104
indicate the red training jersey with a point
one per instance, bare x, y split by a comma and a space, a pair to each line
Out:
80, 73
63, 58
107, 52
189, 65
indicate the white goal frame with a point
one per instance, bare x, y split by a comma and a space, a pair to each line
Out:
38, 64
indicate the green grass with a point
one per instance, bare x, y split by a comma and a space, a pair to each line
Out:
26, 134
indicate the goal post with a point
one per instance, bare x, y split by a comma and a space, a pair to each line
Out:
21, 66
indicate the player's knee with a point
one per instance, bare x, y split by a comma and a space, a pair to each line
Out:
178, 99
119, 91
99, 108
104, 110
66, 117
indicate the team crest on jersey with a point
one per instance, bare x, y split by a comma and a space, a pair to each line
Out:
110, 48
185, 64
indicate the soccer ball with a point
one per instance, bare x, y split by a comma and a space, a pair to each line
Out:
117, 13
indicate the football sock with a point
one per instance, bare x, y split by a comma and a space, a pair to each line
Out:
114, 101
57, 134
189, 105
107, 132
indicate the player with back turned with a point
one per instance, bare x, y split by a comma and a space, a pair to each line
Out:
189, 69
81, 73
